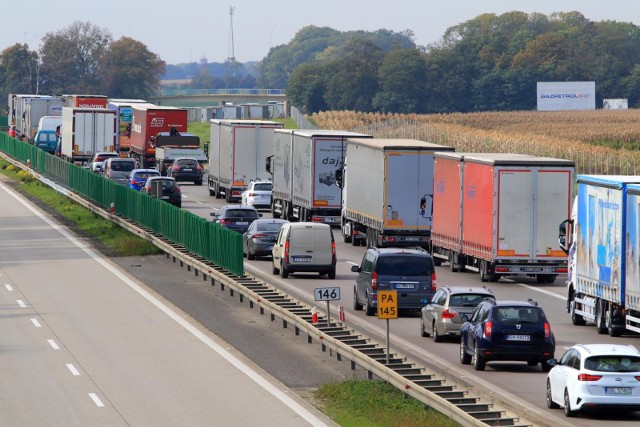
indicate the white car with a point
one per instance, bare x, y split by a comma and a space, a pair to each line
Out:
594, 377
258, 194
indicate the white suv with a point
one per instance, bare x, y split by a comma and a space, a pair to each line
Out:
258, 194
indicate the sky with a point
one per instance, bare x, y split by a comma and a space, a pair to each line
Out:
186, 31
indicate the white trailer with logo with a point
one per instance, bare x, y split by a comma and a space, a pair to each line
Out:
86, 131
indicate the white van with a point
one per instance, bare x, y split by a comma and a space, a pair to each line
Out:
304, 247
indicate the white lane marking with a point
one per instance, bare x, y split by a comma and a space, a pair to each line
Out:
53, 344
8, 286
199, 202
352, 263
21, 303
544, 291
35, 322
73, 369
96, 400
238, 364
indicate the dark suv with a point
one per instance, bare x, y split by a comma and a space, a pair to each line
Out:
507, 330
408, 271
236, 217
186, 169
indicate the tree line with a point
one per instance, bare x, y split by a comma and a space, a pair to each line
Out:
489, 63
81, 59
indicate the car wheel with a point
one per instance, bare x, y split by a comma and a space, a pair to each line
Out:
198, 182
284, 273
274, 270
356, 305
550, 403
423, 333
370, 311
479, 362
250, 255
465, 358
332, 273
435, 335
567, 405
545, 365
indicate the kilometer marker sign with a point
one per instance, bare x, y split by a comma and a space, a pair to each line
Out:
388, 309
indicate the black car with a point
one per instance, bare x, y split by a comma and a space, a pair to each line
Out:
186, 169
236, 217
258, 240
164, 188
507, 330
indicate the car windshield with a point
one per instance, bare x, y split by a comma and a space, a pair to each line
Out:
166, 183
263, 187
613, 363
467, 300
123, 166
241, 213
518, 314
404, 266
187, 163
269, 226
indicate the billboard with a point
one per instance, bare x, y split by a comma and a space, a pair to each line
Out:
615, 104
558, 96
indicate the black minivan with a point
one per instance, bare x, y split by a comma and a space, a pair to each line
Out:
410, 272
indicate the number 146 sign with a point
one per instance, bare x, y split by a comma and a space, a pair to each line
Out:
327, 294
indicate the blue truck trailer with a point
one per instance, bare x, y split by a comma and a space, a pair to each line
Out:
601, 239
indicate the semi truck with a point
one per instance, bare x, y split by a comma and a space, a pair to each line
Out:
303, 168
86, 131
35, 109
154, 126
396, 208
237, 153
19, 103
497, 214
602, 238
85, 101
124, 117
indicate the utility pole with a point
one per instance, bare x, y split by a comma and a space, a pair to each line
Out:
231, 53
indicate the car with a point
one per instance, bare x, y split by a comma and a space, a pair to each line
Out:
236, 217
138, 177
409, 271
164, 188
304, 247
186, 169
118, 169
507, 331
258, 194
592, 377
95, 164
442, 316
259, 238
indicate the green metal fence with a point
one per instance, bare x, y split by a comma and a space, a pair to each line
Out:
204, 238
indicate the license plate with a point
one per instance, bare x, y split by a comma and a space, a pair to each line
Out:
531, 269
301, 259
187, 170
165, 197
518, 338
411, 239
403, 285
617, 390
242, 223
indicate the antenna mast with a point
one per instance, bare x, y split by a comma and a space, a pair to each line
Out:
232, 51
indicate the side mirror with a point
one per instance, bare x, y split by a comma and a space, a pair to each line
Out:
339, 175
355, 268
268, 164
259, 215
214, 214
464, 317
552, 362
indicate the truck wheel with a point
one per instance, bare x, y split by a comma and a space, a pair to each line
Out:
601, 327
483, 271
541, 278
576, 319
211, 192
273, 211
452, 264
551, 278
227, 195
217, 191
608, 320
346, 237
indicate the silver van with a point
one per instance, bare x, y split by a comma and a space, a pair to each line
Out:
304, 247
118, 169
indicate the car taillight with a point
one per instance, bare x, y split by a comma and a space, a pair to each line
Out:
433, 281
448, 314
333, 252
547, 330
176, 167
176, 189
389, 239
199, 167
488, 326
252, 194
259, 236
374, 281
225, 221
316, 219
286, 251
637, 377
589, 377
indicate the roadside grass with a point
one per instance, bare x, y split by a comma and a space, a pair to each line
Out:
108, 237
289, 123
201, 130
361, 403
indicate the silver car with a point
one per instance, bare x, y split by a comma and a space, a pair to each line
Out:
442, 316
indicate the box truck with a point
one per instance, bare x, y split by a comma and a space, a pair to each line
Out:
396, 209
19, 112
124, 117
602, 238
85, 101
35, 109
497, 214
303, 167
86, 131
237, 153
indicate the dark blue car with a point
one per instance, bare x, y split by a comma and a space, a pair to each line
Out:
138, 177
509, 331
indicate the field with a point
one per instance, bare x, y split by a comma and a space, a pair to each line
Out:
600, 141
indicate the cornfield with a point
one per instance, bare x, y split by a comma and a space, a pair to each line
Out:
603, 142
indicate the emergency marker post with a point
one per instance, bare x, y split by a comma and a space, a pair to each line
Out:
327, 294
388, 309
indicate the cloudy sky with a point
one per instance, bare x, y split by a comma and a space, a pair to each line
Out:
184, 31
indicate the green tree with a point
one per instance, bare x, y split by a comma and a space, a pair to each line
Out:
401, 82
18, 71
307, 85
128, 69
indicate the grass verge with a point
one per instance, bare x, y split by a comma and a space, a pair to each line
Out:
357, 403
107, 237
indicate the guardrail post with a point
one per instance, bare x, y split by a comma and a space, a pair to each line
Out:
273, 317
213, 281
369, 375
309, 339
231, 291
353, 365
261, 310
296, 331
241, 297
197, 272
284, 324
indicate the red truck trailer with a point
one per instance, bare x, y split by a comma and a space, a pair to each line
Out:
150, 125
85, 101
495, 213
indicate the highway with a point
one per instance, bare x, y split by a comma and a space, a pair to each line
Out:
85, 343
515, 384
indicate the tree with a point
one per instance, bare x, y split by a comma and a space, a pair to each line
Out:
401, 82
18, 70
70, 58
307, 85
127, 69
